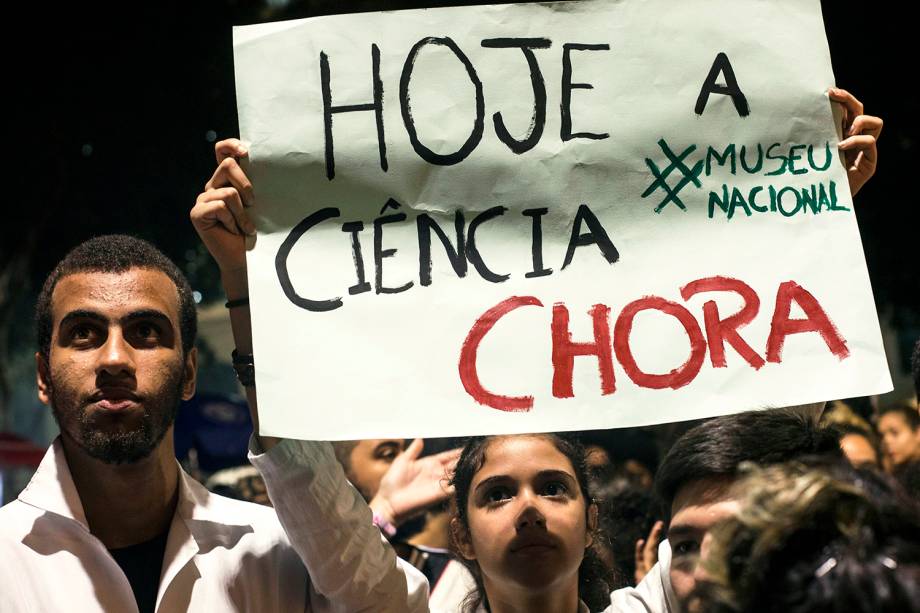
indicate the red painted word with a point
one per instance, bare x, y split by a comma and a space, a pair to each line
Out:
716, 332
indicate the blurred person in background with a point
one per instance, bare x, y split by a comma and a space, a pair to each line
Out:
366, 461
694, 483
819, 539
899, 427
861, 447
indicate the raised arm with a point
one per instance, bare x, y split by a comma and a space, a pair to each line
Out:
351, 566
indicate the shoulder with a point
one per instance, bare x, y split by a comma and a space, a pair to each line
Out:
210, 506
16, 518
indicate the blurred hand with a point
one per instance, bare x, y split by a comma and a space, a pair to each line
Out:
413, 484
647, 551
860, 136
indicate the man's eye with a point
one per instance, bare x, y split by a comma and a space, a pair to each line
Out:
685, 548
555, 488
147, 332
82, 333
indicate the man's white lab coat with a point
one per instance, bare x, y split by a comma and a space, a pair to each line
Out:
324, 555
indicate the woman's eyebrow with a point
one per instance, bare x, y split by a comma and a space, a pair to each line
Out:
555, 474
485, 483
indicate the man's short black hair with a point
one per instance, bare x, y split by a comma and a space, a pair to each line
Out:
115, 253
718, 447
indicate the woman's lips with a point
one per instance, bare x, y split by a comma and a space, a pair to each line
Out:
532, 542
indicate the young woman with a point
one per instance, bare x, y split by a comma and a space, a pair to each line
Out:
899, 427
525, 527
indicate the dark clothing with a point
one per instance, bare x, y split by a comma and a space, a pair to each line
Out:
141, 564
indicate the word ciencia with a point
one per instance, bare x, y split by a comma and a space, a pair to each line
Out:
717, 330
459, 244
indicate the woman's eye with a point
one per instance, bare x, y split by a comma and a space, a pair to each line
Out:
498, 494
555, 488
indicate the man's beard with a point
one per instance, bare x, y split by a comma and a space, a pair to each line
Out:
120, 445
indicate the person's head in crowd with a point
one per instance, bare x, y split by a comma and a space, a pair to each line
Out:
861, 447
525, 526
831, 539
366, 461
626, 513
899, 427
694, 481
116, 325
629, 453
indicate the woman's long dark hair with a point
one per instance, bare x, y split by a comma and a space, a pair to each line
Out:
595, 578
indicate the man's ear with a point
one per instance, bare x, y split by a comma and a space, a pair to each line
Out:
43, 378
592, 524
460, 537
191, 373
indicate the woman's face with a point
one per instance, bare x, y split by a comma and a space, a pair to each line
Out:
901, 443
527, 516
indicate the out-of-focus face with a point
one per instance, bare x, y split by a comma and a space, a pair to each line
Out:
858, 450
528, 519
596, 457
697, 507
901, 443
116, 370
369, 460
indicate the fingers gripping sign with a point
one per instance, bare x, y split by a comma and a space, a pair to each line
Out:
860, 137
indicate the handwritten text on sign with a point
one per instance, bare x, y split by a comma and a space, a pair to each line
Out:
544, 217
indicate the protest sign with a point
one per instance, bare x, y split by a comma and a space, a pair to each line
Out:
539, 217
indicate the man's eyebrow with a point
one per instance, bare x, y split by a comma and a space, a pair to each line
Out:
682, 530
154, 314
82, 314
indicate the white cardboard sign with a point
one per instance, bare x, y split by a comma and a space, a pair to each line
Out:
541, 217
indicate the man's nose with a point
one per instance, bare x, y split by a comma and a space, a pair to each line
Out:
116, 356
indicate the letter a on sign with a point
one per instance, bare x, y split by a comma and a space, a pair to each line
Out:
722, 66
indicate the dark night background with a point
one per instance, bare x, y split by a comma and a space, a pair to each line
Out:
111, 109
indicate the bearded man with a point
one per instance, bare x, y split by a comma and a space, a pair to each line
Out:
110, 522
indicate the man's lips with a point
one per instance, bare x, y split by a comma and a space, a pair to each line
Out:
114, 398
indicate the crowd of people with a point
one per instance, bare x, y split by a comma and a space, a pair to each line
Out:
809, 508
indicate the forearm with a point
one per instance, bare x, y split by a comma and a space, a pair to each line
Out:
236, 286
330, 526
